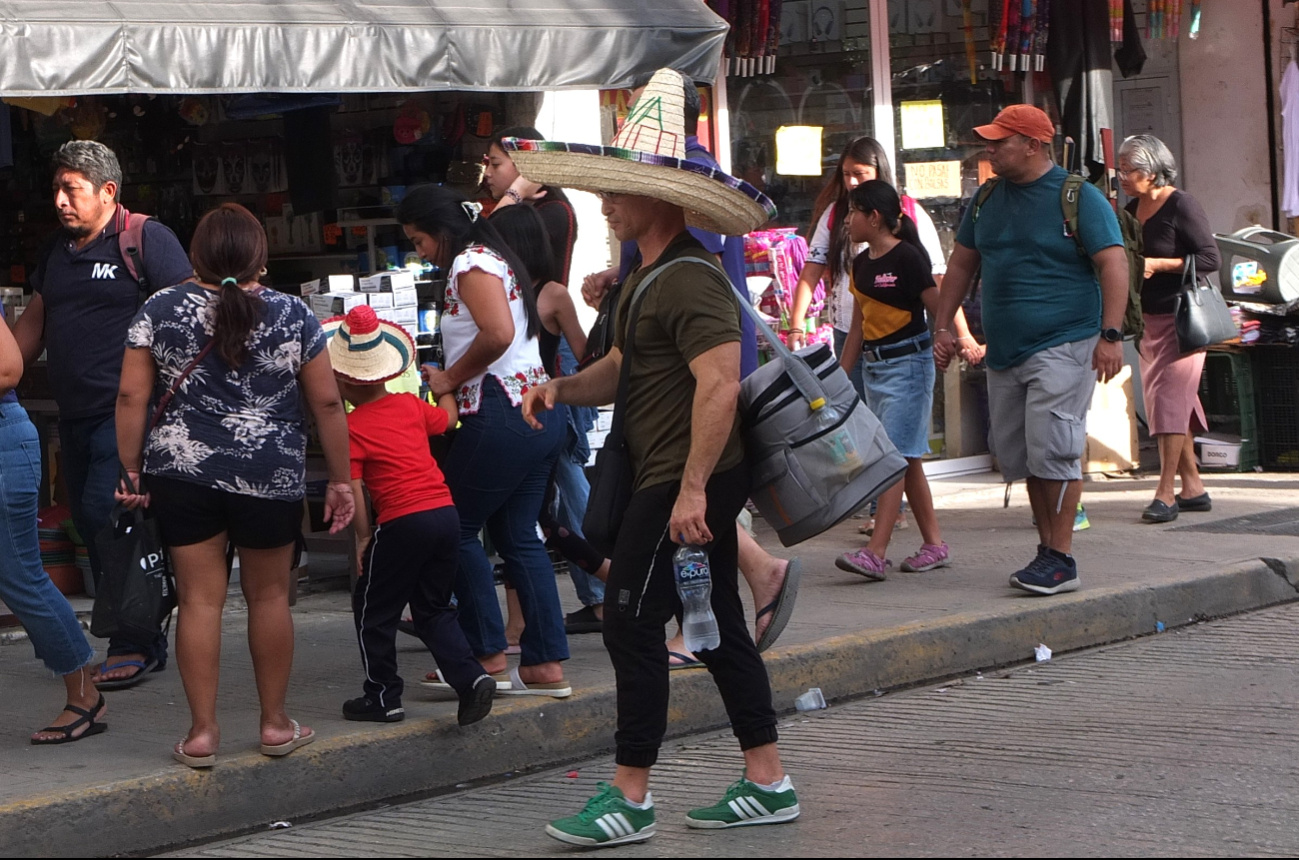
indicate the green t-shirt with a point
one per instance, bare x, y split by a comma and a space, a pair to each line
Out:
1038, 291
685, 312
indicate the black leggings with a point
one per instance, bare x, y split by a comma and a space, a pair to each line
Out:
641, 597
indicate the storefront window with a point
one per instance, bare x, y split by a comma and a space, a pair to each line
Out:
821, 88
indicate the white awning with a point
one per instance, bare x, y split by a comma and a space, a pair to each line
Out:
76, 47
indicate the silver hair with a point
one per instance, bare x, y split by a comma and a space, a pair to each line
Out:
1152, 157
92, 160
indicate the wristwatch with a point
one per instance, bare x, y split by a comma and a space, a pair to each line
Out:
1113, 335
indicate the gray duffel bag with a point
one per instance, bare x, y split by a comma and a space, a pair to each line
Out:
817, 453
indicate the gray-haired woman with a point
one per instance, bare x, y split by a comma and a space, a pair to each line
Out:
1173, 228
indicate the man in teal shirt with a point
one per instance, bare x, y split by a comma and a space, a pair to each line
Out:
1052, 327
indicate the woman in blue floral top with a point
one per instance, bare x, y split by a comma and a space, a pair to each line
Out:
228, 365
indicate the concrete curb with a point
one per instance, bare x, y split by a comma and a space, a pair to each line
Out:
383, 762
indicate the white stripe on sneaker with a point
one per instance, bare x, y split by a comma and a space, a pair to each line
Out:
762, 810
622, 819
606, 823
739, 810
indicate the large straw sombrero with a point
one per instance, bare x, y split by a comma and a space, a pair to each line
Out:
365, 349
648, 158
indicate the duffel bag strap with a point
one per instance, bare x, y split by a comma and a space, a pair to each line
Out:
807, 382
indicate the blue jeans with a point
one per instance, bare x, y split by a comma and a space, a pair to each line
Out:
24, 587
91, 468
900, 391
572, 485
854, 375
498, 468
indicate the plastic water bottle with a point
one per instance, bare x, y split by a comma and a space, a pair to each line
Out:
836, 439
695, 587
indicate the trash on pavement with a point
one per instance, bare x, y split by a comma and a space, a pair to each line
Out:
1042, 653
1159, 627
280, 825
812, 700
572, 774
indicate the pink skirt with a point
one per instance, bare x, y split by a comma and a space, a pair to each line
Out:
1170, 381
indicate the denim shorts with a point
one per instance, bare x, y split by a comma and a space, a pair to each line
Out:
900, 391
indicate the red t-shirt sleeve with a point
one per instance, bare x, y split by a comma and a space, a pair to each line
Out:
435, 419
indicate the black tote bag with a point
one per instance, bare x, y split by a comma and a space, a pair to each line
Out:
137, 591
1200, 317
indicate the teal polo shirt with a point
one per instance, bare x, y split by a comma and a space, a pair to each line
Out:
1037, 291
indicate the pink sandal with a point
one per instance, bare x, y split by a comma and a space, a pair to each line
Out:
865, 563
929, 557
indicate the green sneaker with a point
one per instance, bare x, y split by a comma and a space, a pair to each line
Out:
607, 820
1080, 521
745, 803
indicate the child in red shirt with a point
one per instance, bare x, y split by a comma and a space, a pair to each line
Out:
413, 553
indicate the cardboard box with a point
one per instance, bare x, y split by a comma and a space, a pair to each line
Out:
388, 282
407, 317
1218, 451
379, 300
405, 297
331, 284
326, 305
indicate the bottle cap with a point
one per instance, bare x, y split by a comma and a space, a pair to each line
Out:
817, 404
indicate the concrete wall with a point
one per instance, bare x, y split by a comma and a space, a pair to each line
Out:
1225, 143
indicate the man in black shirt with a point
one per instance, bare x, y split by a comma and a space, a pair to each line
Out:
85, 298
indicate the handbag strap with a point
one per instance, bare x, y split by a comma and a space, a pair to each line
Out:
165, 400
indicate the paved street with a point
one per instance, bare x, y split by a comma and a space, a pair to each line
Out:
1183, 743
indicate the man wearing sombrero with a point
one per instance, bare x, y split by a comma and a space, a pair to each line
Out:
682, 432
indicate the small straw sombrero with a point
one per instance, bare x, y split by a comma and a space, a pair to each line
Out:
366, 350
648, 158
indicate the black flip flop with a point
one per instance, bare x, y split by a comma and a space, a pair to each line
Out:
84, 717
144, 666
782, 608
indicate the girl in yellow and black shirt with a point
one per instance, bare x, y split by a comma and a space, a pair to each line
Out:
892, 286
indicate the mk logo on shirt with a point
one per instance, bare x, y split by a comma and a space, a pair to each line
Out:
885, 281
105, 272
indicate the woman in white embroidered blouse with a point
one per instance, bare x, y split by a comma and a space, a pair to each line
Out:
497, 466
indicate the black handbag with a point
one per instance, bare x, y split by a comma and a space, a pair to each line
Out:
1200, 317
612, 479
137, 591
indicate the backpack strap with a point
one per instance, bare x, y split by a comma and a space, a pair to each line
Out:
1070, 203
909, 206
130, 242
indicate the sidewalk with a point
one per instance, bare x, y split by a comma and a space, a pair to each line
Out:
121, 792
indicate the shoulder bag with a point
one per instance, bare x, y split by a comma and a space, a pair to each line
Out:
1201, 317
612, 479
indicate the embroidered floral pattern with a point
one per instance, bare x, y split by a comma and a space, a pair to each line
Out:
242, 430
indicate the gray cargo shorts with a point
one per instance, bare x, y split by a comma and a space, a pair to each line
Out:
1038, 411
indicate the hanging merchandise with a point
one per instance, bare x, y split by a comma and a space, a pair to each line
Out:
1195, 19
1040, 37
754, 37
971, 53
1012, 33
1116, 20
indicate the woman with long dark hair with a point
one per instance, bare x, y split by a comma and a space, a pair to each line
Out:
497, 467
508, 187
224, 459
892, 287
831, 251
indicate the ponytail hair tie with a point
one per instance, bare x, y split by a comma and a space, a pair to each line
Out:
234, 282
472, 210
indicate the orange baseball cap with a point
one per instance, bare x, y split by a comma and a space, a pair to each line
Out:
1019, 119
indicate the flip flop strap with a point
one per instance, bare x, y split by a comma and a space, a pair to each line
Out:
297, 730
767, 610
139, 664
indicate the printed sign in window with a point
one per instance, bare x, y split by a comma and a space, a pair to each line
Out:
922, 125
934, 179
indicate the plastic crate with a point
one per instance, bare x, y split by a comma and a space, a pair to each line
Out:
1227, 392
1276, 385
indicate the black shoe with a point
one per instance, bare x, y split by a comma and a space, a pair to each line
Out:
1200, 504
583, 620
368, 710
1050, 573
1158, 512
477, 703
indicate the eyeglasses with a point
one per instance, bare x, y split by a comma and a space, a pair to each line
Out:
1124, 174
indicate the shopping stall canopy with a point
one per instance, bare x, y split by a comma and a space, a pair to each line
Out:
190, 46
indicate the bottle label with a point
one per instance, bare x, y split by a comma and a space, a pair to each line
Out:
692, 572
843, 451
